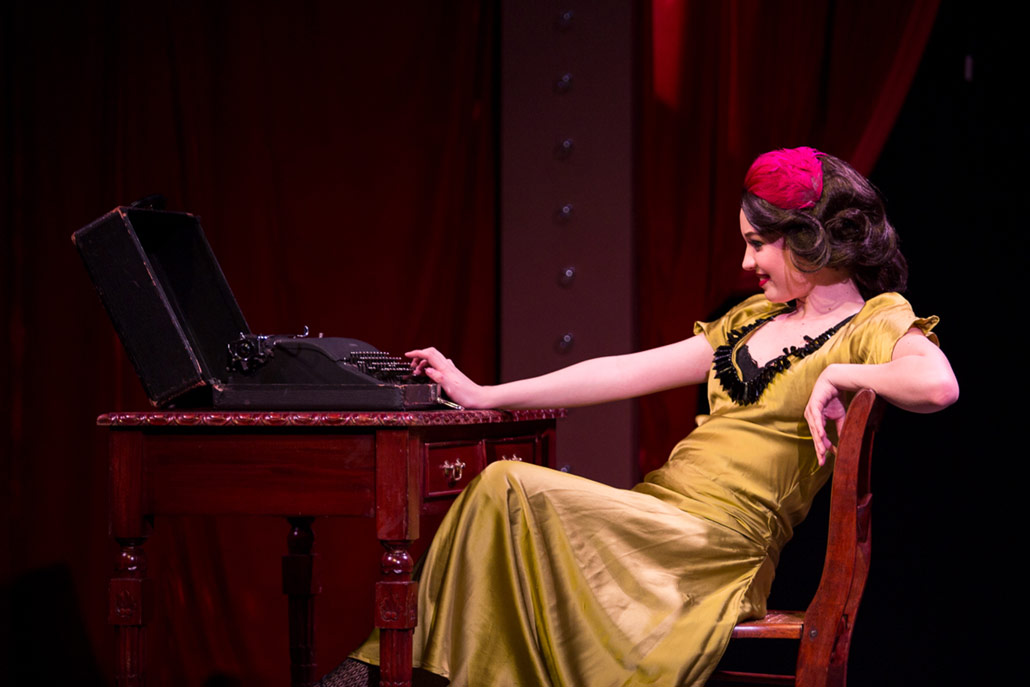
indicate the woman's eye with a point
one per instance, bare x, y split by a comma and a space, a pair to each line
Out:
757, 245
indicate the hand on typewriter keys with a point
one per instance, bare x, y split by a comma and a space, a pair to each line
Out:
442, 370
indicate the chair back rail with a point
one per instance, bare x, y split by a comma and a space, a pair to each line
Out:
830, 618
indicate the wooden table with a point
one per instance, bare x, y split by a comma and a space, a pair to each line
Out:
393, 466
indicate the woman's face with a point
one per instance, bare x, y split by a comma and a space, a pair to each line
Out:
771, 261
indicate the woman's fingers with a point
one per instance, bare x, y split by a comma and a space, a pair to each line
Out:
424, 358
817, 426
823, 405
429, 354
441, 369
833, 411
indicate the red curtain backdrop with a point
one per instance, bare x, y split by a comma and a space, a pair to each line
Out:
341, 157
724, 82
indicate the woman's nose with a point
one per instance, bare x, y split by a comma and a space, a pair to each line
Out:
749, 260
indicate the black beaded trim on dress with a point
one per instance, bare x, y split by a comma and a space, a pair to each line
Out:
747, 392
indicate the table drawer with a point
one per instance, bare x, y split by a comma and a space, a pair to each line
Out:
451, 466
523, 449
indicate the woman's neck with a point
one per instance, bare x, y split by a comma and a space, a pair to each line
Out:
836, 298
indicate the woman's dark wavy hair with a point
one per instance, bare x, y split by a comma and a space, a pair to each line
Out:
846, 229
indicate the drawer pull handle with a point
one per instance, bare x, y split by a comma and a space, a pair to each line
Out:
453, 471
513, 456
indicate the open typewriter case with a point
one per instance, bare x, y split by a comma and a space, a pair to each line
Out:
190, 344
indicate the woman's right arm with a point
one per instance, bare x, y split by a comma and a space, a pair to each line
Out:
611, 378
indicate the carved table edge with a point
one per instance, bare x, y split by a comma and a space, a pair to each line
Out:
320, 418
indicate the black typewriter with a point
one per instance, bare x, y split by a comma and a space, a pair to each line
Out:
184, 332
304, 372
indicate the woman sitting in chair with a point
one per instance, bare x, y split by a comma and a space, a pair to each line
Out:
542, 578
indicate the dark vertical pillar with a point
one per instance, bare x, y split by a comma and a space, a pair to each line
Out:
567, 209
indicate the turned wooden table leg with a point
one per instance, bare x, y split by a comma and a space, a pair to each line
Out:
129, 604
396, 614
398, 485
300, 584
130, 597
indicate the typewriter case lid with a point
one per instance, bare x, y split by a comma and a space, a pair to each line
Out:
166, 295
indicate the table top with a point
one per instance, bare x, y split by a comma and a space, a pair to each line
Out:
321, 418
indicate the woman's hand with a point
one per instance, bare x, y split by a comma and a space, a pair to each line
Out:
824, 404
453, 381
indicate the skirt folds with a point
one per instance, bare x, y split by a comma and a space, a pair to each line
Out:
537, 577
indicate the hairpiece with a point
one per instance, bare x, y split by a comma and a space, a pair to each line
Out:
789, 178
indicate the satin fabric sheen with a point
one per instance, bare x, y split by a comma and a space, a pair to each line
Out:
539, 578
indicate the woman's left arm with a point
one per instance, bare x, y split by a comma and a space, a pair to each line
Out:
918, 378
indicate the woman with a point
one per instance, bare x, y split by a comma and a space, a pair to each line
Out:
532, 581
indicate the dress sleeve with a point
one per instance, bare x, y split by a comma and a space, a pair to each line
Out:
888, 319
717, 331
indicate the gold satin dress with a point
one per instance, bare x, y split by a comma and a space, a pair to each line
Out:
540, 578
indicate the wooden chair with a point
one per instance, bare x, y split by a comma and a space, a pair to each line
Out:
824, 630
